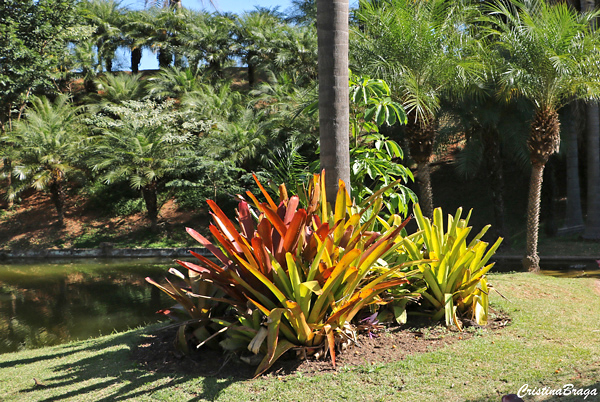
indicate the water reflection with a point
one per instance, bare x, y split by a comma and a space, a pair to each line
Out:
51, 303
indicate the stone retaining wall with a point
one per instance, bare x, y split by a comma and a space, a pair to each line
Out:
105, 251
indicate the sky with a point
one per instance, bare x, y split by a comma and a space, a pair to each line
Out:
149, 60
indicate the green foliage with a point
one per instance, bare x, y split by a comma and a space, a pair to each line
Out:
34, 38
457, 285
306, 272
46, 144
546, 51
373, 158
423, 50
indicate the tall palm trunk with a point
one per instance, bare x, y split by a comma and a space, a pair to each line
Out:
420, 137
543, 141
531, 262
423, 179
150, 199
592, 222
58, 198
334, 117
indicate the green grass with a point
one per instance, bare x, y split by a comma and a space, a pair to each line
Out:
554, 340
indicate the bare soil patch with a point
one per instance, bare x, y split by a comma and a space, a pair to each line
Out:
156, 352
31, 224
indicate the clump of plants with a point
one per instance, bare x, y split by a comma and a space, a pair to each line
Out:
304, 276
292, 276
455, 274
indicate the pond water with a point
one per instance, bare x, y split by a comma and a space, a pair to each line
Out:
46, 303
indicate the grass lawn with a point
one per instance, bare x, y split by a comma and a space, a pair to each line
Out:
554, 340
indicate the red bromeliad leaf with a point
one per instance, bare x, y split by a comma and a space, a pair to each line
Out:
245, 219
207, 262
294, 231
265, 231
292, 206
254, 199
267, 196
225, 243
330, 343
275, 220
193, 267
262, 256
323, 231
211, 247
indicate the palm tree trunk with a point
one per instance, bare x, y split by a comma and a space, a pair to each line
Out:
531, 262
58, 198
334, 117
592, 221
136, 58
7, 164
423, 178
150, 199
574, 216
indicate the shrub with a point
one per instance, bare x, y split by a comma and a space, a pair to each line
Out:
295, 277
455, 275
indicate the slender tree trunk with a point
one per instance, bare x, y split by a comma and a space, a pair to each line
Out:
150, 199
574, 216
334, 118
58, 198
136, 58
109, 64
165, 58
7, 162
423, 178
531, 262
592, 222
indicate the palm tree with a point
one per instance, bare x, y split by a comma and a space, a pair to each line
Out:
550, 56
144, 146
259, 36
118, 88
136, 29
334, 113
421, 49
46, 145
106, 16
207, 40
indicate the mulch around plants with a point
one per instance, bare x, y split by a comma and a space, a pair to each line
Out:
156, 351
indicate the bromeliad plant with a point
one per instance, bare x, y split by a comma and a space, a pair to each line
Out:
455, 275
296, 277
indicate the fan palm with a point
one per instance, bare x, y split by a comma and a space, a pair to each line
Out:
46, 145
421, 50
207, 38
550, 57
143, 146
118, 88
260, 37
107, 16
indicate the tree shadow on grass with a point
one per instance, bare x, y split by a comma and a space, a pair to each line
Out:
110, 374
